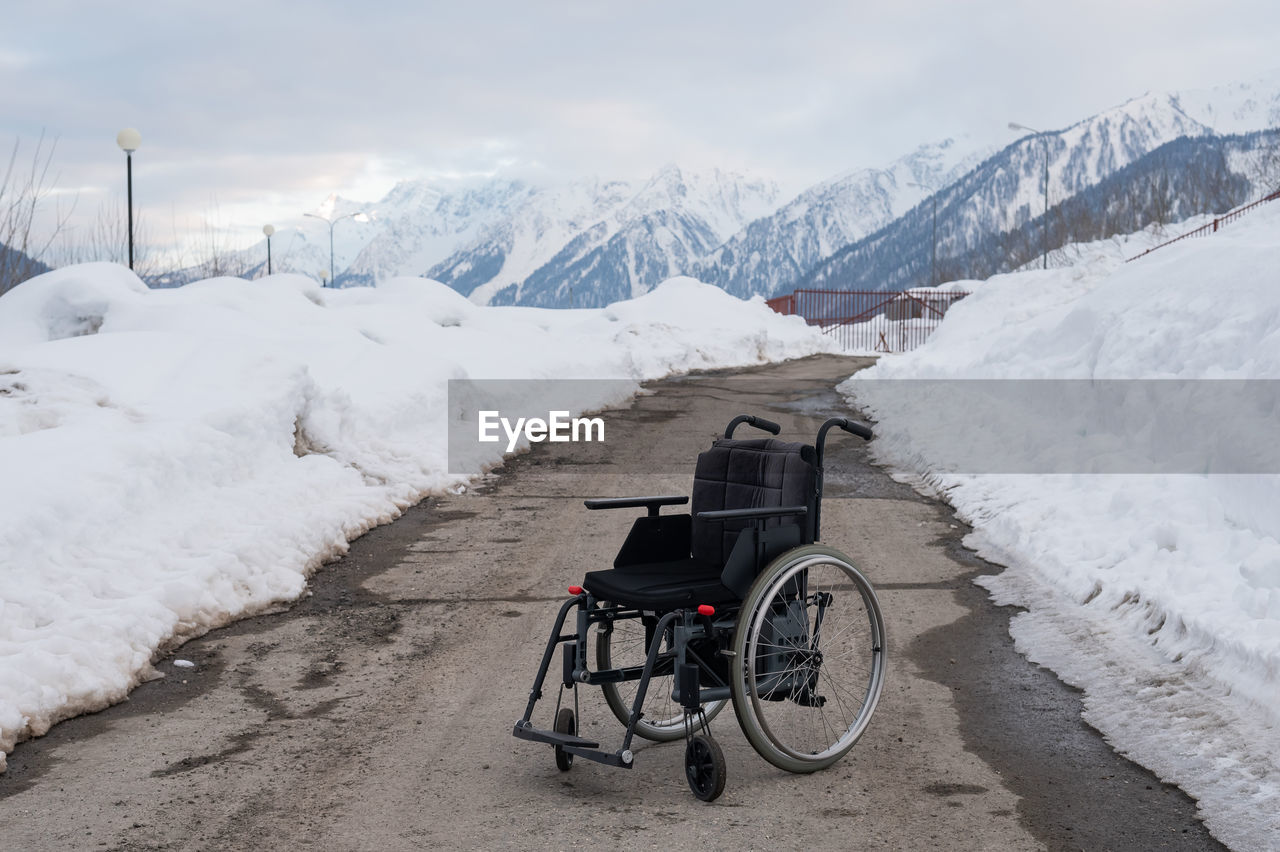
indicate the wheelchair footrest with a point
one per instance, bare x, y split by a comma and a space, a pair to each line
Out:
525, 731
574, 745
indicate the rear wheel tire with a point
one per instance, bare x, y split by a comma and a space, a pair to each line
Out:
809, 659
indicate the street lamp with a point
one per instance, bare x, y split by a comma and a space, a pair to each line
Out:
129, 140
331, 223
1044, 138
268, 230
933, 267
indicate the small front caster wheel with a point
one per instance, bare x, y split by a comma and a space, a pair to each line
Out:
565, 724
704, 768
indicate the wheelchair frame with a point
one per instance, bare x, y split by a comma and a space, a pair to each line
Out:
760, 653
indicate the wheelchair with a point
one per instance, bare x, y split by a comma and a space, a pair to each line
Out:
736, 602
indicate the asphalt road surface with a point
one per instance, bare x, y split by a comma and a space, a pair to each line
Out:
376, 713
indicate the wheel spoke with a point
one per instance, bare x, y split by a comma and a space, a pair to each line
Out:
809, 683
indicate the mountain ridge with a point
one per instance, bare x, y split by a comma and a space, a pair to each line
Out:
501, 240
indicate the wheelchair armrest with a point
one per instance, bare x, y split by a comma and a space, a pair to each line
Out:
650, 503
752, 514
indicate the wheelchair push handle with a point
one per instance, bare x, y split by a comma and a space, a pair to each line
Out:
853, 427
751, 420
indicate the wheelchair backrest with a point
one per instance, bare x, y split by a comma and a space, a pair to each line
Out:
746, 474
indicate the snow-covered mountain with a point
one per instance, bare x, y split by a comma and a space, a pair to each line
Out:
592, 243
304, 248
423, 223
773, 252
589, 242
515, 246
507, 241
1235, 107
1006, 191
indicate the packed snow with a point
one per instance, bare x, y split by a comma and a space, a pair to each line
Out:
181, 458
1159, 594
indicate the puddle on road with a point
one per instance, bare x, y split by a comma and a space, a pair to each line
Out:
849, 472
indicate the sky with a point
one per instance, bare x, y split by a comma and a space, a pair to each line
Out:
256, 112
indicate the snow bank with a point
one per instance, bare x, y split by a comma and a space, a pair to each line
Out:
882, 334
1159, 594
176, 459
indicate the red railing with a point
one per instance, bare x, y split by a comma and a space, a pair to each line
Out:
1212, 227
871, 320
783, 304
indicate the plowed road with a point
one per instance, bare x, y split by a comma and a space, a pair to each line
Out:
376, 714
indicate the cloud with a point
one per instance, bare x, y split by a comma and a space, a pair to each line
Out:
286, 102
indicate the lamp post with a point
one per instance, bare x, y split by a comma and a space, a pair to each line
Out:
1044, 138
129, 140
933, 266
331, 223
268, 230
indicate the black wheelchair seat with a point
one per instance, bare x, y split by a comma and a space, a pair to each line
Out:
661, 586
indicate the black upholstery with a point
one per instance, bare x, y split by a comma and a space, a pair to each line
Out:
661, 586
733, 474
747, 474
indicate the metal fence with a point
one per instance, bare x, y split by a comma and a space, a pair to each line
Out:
1211, 227
871, 320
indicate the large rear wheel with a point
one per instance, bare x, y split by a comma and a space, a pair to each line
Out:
809, 659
